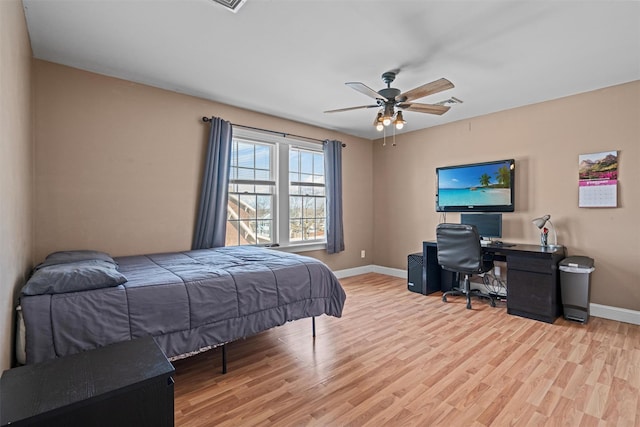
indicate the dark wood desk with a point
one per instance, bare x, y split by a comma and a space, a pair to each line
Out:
533, 281
124, 384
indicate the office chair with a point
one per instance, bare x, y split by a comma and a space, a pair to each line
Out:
459, 250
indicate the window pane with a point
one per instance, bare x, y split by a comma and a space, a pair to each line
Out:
295, 230
245, 155
313, 233
306, 162
247, 206
245, 188
308, 229
247, 232
306, 178
318, 164
232, 208
262, 175
264, 189
234, 154
295, 207
306, 190
233, 237
294, 159
309, 207
320, 206
264, 232
263, 207
250, 216
244, 173
263, 157
320, 226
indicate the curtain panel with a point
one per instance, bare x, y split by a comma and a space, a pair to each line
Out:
210, 229
333, 183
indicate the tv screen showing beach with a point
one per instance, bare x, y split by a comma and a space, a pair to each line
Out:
482, 186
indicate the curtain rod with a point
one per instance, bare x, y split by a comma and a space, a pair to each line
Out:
207, 119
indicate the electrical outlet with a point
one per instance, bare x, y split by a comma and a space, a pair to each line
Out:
496, 271
362, 254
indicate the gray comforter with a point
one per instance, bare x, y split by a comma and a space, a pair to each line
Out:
188, 301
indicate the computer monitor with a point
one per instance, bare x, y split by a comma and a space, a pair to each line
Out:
489, 225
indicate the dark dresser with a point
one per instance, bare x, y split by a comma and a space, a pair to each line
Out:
124, 384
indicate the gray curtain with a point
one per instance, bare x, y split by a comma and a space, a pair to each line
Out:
333, 184
212, 215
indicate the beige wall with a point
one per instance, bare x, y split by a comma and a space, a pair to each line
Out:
118, 166
16, 166
545, 140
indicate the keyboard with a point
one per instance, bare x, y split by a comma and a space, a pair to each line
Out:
495, 244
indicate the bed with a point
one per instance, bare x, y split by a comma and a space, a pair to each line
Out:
188, 301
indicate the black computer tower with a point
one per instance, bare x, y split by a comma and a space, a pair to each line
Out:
415, 281
427, 278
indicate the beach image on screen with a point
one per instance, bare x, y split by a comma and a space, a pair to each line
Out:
478, 185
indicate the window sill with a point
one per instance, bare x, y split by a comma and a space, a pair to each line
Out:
303, 247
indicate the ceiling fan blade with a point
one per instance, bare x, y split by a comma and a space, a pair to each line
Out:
425, 108
351, 108
363, 88
427, 89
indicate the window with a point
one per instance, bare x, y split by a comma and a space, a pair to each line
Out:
306, 195
276, 191
251, 194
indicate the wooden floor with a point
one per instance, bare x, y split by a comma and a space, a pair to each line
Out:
397, 358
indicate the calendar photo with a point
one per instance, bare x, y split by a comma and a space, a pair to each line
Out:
598, 179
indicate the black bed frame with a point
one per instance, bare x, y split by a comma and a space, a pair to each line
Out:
224, 346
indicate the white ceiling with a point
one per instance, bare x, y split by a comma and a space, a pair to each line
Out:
291, 58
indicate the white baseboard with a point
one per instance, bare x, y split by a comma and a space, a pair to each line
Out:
615, 313
596, 310
395, 272
341, 274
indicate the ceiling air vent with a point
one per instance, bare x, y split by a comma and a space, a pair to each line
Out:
232, 5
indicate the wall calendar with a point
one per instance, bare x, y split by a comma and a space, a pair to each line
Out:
598, 180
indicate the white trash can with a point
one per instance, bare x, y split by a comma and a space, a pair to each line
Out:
575, 278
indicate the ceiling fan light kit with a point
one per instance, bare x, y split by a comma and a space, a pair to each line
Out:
389, 99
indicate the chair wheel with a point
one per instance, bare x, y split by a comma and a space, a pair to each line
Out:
444, 298
493, 303
469, 306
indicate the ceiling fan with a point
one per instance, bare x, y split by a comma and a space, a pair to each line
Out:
388, 99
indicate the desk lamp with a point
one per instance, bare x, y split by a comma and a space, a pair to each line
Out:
540, 223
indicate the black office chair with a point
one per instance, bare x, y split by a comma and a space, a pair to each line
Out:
459, 250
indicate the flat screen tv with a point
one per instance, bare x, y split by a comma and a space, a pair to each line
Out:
477, 187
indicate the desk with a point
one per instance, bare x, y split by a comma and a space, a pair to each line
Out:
533, 282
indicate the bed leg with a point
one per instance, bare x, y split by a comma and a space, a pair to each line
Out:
313, 326
224, 358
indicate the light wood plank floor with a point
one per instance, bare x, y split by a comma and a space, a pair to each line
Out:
397, 358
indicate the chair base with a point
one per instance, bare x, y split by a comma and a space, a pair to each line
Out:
468, 292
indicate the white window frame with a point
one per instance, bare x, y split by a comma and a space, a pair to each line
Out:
270, 182
281, 205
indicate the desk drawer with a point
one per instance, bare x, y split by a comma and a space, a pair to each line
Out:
536, 265
533, 295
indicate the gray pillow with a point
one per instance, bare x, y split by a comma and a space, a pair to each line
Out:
65, 257
73, 277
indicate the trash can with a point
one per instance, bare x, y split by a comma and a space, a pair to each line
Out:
575, 275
